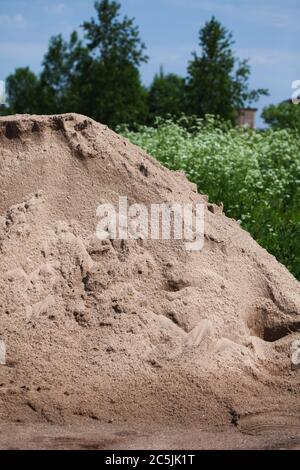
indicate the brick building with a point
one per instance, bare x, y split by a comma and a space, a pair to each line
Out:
246, 117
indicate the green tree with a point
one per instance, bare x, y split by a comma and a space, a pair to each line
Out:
23, 91
63, 74
166, 95
98, 76
282, 116
217, 81
115, 93
112, 37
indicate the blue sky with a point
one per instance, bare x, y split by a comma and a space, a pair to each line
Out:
265, 31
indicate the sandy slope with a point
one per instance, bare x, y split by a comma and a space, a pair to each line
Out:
117, 331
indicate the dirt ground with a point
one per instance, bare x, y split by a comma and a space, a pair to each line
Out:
267, 431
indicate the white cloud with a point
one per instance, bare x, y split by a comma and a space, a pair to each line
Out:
269, 56
9, 20
58, 9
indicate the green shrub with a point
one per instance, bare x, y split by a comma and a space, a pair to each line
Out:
255, 174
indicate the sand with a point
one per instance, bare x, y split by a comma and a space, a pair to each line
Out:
138, 332
92, 435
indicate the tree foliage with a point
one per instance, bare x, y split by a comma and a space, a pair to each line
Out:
166, 96
114, 93
99, 76
113, 39
23, 90
217, 81
62, 75
283, 116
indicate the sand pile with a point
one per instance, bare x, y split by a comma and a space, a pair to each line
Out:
129, 330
